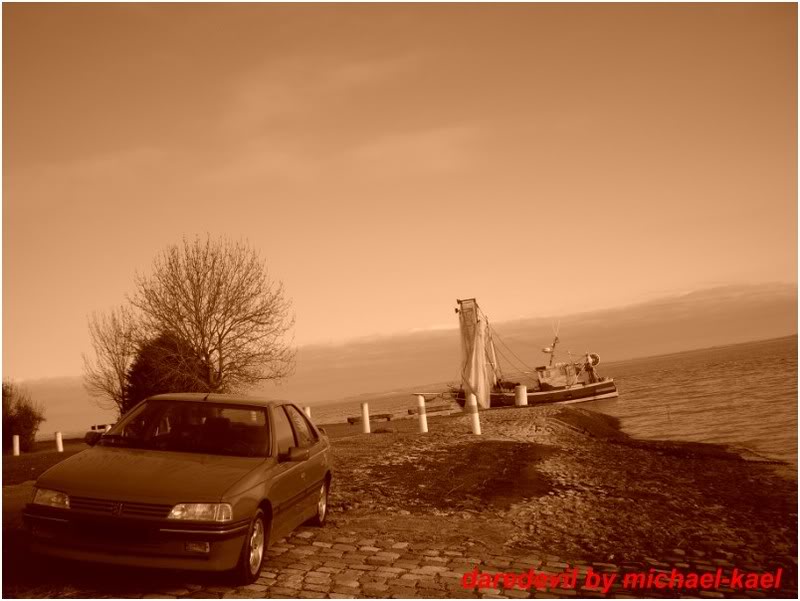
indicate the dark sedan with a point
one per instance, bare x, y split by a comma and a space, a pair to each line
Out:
186, 481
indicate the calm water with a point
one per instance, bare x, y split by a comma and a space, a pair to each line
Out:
743, 395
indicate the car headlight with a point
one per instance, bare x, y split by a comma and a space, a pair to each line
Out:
51, 498
202, 512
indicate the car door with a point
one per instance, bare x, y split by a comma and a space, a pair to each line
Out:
315, 467
288, 489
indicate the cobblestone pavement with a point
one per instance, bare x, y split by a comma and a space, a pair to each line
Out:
401, 536
327, 563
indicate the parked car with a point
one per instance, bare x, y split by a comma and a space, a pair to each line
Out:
186, 481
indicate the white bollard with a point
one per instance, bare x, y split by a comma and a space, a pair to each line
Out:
365, 418
15, 443
59, 443
472, 409
307, 411
521, 395
423, 418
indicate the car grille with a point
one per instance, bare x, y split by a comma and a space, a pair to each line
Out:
120, 508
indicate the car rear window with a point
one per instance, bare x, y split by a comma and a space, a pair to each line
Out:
193, 427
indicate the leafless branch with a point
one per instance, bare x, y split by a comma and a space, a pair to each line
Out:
114, 339
217, 297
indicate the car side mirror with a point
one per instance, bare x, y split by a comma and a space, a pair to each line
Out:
322, 430
297, 454
91, 438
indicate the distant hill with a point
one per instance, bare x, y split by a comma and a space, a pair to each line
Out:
390, 364
695, 320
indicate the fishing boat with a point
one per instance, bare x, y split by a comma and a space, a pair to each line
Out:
556, 382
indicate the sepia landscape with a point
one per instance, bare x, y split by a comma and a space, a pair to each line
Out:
400, 301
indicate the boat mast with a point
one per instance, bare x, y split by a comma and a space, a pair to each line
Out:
551, 350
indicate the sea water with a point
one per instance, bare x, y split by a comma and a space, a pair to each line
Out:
744, 395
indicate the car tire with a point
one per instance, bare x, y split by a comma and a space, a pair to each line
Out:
254, 550
322, 505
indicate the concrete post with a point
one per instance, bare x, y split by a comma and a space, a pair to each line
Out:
472, 409
15, 443
59, 443
423, 418
521, 395
365, 418
307, 412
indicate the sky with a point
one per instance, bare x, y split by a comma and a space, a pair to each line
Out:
386, 160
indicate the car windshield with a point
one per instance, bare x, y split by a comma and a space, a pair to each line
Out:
193, 427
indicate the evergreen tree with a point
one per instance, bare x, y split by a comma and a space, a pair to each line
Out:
163, 364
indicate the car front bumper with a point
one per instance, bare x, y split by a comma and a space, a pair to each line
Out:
139, 543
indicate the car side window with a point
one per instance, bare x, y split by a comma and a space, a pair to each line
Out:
283, 431
306, 436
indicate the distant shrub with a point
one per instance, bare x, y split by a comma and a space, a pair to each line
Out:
21, 416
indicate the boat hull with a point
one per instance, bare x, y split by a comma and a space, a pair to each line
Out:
580, 393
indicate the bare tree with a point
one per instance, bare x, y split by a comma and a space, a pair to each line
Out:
114, 337
216, 296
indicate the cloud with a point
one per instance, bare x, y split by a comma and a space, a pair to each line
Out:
353, 74
260, 160
432, 150
292, 87
263, 160
111, 173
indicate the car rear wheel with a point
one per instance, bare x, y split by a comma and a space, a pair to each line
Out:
322, 505
254, 550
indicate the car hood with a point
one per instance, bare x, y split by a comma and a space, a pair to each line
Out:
147, 476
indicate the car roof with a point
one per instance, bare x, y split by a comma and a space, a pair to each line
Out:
227, 399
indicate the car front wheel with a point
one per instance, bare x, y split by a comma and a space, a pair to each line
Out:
253, 551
